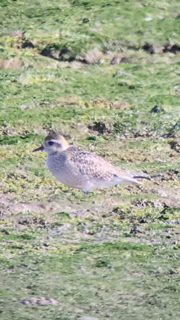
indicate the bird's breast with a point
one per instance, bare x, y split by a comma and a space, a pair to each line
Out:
64, 172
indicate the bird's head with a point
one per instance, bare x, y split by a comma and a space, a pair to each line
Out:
54, 142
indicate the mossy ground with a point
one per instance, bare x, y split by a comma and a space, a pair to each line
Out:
114, 253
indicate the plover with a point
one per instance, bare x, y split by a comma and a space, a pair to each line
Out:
80, 169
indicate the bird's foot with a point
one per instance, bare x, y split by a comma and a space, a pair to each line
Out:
86, 192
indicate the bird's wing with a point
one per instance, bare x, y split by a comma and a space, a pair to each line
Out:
94, 166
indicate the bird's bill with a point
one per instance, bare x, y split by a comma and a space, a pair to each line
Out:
39, 149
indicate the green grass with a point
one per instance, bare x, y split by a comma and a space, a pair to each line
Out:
114, 253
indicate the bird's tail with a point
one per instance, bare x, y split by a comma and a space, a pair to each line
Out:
137, 175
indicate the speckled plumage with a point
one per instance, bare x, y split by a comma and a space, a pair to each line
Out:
91, 164
81, 169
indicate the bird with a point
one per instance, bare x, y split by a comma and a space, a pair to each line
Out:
80, 169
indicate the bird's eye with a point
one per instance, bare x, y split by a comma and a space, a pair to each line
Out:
50, 143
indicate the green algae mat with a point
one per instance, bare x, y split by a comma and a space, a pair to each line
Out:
107, 75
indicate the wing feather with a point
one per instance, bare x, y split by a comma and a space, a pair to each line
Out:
94, 166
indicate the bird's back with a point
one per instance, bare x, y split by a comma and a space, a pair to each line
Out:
85, 170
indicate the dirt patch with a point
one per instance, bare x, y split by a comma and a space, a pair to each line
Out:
173, 196
11, 64
40, 302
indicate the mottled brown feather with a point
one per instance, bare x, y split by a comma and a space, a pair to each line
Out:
92, 165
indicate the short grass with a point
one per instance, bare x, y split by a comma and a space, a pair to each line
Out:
114, 253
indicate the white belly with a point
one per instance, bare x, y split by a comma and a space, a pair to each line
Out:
65, 174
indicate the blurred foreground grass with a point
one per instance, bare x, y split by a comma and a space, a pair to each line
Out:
107, 75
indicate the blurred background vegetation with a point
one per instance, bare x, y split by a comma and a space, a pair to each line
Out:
107, 74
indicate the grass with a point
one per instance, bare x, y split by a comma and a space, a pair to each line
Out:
114, 253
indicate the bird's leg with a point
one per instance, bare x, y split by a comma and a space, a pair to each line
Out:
86, 192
